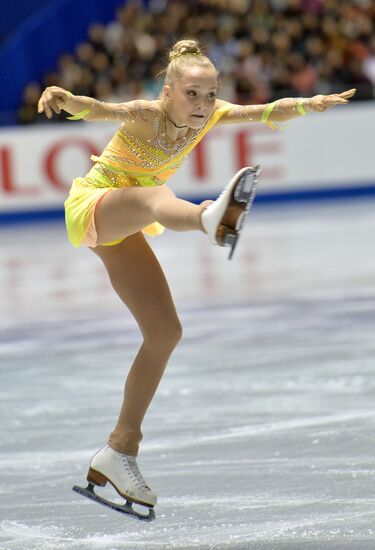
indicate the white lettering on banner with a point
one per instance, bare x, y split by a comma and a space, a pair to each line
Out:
38, 164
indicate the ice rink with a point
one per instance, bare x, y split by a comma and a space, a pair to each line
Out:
261, 435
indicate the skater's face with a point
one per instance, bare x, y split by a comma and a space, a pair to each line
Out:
190, 100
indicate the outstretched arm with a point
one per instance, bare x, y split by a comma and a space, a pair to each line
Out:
283, 109
54, 99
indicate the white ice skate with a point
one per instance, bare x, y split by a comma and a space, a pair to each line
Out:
224, 218
123, 474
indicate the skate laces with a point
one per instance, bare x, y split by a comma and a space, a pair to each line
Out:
135, 475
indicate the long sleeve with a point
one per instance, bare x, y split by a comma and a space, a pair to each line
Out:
269, 113
93, 110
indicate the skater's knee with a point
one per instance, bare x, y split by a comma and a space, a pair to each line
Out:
155, 201
165, 336
177, 333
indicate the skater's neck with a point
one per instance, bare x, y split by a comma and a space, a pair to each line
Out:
175, 129
174, 124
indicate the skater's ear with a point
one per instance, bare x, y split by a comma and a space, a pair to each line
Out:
167, 93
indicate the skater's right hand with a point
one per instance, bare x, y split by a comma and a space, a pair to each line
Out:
53, 99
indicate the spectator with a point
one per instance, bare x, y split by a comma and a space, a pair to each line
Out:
303, 76
96, 35
264, 49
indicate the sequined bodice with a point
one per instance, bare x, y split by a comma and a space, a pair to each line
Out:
130, 160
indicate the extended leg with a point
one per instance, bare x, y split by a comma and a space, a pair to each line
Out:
126, 211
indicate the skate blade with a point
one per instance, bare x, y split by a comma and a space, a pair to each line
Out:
126, 508
244, 192
247, 184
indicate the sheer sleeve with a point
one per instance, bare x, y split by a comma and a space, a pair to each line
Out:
268, 113
88, 108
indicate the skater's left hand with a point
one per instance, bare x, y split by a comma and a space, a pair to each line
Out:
323, 102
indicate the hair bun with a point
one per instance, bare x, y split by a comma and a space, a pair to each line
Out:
185, 47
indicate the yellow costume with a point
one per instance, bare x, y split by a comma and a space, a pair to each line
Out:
127, 161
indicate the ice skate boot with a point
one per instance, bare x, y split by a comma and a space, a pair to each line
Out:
224, 219
123, 474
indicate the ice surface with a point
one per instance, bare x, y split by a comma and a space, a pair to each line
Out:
261, 434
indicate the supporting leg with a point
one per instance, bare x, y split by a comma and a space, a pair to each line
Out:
138, 279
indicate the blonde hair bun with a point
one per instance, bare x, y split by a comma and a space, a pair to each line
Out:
183, 47
184, 54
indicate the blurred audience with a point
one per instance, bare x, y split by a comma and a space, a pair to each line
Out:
265, 49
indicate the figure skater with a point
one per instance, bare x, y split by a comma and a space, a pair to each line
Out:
125, 195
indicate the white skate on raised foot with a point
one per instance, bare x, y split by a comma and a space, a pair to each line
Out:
233, 204
123, 474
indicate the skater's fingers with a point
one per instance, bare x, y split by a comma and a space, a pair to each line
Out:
46, 109
336, 99
331, 100
40, 106
51, 105
42, 102
43, 107
348, 93
53, 99
55, 105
